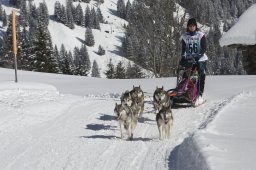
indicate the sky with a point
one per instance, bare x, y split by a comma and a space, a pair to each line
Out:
54, 121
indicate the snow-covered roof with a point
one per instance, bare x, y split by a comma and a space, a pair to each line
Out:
244, 31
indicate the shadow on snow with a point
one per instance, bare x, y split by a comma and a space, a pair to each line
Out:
97, 127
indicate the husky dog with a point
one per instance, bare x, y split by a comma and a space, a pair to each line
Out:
161, 99
126, 98
137, 96
164, 121
126, 118
134, 99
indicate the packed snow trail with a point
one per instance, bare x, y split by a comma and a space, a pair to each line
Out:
47, 130
42, 128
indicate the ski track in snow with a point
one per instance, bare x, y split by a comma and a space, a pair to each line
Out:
219, 106
64, 135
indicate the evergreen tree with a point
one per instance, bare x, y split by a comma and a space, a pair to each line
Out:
57, 10
19, 55
120, 71
85, 58
101, 50
23, 17
156, 31
99, 15
87, 17
70, 20
92, 18
79, 17
33, 14
95, 69
110, 72
129, 71
5, 19
32, 35
7, 48
133, 71
77, 62
64, 17
62, 56
2, 59
96, 22
41, 50
89, 38
82, 61
138, 71
43, 14
128, 48
128, 10
24, 50
72, 66
121, 9
45, 61
57, 56
67, 64
142, 58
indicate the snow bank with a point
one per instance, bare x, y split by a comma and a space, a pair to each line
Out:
222, 138
4, 86
244, 31
188, 156
231, 135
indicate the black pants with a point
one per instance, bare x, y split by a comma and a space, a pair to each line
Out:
202, 75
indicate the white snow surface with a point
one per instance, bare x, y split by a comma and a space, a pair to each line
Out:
52, 121
244, 31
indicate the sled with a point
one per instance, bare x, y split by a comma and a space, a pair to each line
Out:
196, 104
186, 91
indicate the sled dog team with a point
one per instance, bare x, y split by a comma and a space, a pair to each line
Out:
132, 107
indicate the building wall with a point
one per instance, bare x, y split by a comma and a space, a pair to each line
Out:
249, 59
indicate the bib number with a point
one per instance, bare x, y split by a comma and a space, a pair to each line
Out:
192, 48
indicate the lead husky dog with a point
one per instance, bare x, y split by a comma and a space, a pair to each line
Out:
134, 99
127, 119
126, 98
160, 99
164, 121
138, 98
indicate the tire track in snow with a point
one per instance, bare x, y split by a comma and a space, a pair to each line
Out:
218, 107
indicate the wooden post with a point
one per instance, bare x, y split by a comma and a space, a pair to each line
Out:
14, 49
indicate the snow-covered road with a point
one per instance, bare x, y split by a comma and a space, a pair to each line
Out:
41, 128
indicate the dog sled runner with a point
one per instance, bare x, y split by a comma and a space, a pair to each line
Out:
186, 92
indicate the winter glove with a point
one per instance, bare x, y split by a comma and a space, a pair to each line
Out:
183, 60
197, 57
